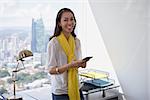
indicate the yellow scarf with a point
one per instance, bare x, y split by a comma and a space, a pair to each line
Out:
69, 49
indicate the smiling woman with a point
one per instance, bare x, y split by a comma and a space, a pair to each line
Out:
63, 63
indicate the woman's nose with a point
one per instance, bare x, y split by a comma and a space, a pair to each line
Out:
70, 21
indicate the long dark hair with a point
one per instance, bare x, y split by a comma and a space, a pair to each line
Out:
58, 28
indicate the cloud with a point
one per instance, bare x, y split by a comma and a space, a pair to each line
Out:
6, 5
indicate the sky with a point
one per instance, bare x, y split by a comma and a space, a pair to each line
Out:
20, 12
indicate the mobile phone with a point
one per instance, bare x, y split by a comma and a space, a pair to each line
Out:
87, 58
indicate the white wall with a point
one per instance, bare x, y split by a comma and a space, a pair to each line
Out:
123, 26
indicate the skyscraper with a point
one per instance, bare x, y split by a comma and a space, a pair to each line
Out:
38, 36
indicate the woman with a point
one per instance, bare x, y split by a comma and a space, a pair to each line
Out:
64, 52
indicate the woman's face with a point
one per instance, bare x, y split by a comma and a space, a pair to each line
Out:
67, 22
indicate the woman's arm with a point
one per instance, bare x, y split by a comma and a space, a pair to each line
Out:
61, 69
58, 70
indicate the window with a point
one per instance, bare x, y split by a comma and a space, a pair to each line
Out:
28, 25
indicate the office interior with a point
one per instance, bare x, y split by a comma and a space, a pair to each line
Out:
121, 35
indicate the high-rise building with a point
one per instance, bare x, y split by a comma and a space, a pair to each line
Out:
38, 36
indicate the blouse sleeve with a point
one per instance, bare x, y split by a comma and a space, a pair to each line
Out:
51, 54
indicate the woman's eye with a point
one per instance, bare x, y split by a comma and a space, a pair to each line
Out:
72, 19
65, 20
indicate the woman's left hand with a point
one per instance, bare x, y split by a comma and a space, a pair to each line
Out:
83, 64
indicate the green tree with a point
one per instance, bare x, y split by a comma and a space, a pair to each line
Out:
9, 80
24, 78
28, 78
3, 90
39, 75
4, 73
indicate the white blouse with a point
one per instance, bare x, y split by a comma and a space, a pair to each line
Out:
57, 57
